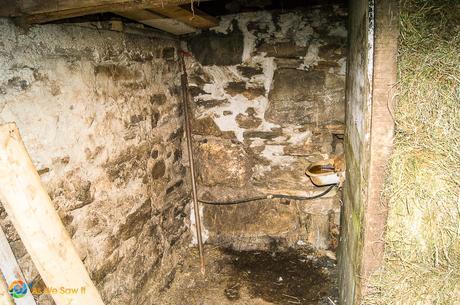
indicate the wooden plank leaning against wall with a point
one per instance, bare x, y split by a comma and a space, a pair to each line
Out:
32, 213
12, 274
5, 298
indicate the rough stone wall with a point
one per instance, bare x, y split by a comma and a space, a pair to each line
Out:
268, 93
99, 114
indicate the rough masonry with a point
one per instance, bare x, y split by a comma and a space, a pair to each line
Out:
100, 115
268, 99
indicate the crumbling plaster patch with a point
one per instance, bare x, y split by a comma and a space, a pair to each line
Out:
222, 75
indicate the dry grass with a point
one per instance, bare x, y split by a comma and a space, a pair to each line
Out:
423, 189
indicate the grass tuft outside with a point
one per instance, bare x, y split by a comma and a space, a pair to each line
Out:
422, 256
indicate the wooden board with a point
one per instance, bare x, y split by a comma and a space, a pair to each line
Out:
195, 18
41, 11
46, 6
5, 298
384, 93
33, 215
159, 22
10, 269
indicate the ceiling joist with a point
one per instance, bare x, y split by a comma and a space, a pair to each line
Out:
151, 19
195, 18
166, 15
47, 6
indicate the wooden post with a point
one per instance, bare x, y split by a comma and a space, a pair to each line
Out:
39, 226
5, 298
11, 272
381, 135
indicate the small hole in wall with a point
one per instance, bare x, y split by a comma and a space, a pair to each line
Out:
337, 144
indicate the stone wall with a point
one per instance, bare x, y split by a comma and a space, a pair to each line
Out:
268, 99
99, 114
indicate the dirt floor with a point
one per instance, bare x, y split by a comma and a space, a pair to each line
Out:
254, 278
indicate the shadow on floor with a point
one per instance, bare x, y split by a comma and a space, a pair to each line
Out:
296, 276
291, 277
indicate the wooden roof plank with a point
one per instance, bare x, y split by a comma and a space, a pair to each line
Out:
154, 20
195, 18
41, 11
47, 6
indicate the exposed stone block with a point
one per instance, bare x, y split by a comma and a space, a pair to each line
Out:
267, 135
211, 48
158, 169
234, 88
195, 91
206, 127
295, 97
282, 50
248, 71
332, 51
223, 163
210, 103
248, 120
158, 99
290, 63
169, 53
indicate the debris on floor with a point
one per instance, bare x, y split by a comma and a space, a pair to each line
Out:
296, 276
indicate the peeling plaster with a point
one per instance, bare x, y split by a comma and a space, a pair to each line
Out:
272, 155
303, 35
312, 57
275, 153
204, 231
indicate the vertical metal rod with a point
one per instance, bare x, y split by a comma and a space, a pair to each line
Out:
188, 133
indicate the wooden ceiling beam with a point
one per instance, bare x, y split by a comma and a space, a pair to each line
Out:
196, 18
46, 6
57, 15
41, 11
154, 20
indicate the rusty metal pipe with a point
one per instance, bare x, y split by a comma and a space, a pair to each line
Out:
188, 133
